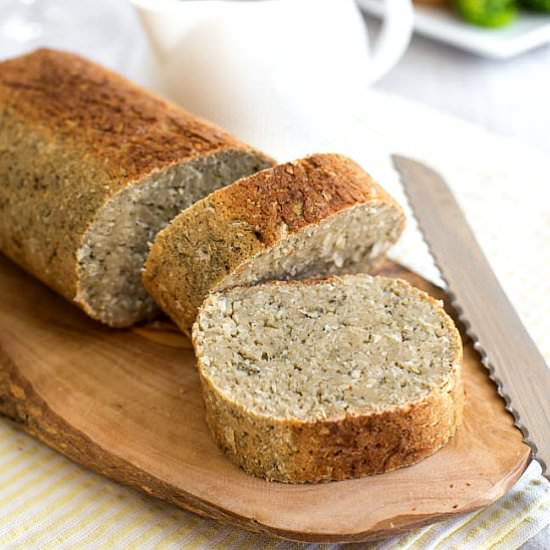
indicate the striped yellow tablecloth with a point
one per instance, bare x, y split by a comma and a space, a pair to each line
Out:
48, 502
51, 503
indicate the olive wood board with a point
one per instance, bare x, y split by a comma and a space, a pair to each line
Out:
127, 404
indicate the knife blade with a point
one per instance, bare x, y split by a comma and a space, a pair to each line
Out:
514, 363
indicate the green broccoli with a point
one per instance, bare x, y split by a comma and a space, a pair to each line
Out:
537, 5
489, 13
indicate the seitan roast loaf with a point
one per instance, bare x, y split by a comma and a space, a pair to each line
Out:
91, 168
332, 379
316, 216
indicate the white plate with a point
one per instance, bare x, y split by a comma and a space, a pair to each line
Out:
528, 31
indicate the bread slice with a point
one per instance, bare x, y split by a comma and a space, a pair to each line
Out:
332, 379
91, 167
316, 216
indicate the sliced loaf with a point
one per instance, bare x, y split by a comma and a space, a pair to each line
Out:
319, 380
91, 167
316, 216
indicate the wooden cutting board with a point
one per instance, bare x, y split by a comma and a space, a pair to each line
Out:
127, 404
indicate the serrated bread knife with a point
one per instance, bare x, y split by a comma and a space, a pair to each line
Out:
514, 362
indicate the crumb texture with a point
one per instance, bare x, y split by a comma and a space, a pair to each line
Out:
327, 349
114, 248
352, 239
293, 372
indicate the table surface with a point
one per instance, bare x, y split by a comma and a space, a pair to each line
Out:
509, 97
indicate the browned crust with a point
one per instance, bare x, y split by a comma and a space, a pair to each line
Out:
297, 194
218, 235
130, 131
299, 451
72, 135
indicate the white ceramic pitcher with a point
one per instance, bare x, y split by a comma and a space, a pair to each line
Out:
268, 69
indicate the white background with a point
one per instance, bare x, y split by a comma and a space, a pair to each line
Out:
510, 97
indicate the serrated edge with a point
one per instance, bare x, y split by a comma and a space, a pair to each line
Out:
476, 343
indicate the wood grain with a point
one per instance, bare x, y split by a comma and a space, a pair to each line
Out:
127, 404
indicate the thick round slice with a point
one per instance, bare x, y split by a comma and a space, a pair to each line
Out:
329, 379
316, 216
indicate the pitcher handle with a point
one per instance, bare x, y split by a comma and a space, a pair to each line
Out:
394, 38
